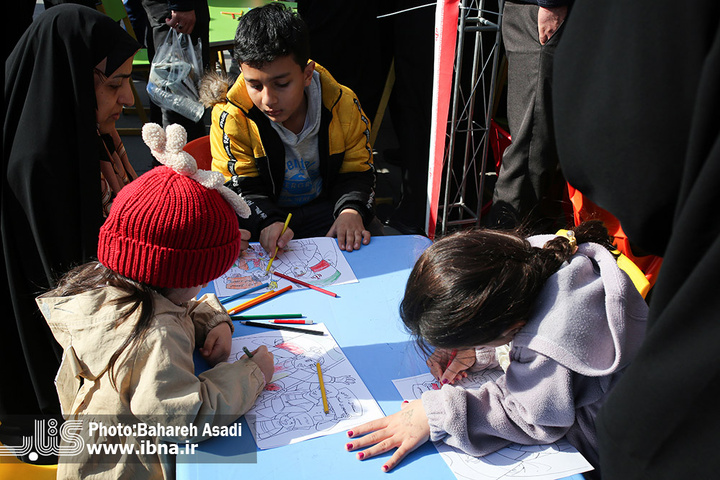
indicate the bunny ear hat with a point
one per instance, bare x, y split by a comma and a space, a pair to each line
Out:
167, 147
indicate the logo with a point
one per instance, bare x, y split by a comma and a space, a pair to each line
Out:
46, 440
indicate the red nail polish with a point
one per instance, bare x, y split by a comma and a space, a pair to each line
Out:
350, 433
360, 455
444, 381
385, 468
349, 446
405, 401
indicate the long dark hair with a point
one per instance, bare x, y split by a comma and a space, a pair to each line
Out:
469, 287
138, 297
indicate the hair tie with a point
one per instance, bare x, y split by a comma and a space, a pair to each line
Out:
572, 240
167, 147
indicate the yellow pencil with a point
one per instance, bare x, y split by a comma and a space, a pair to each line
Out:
322, 389
287, 221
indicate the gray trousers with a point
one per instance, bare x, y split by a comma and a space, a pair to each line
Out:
529, 170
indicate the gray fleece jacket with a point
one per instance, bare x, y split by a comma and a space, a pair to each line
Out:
585, 328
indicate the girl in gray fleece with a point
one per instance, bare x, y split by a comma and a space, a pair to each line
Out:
574, 320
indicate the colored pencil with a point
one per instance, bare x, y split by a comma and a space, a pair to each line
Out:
247, 352
322, 389
259, 299
267, 317
243, 293
453, 354
274, 326
287, 222
305, 284
293, 320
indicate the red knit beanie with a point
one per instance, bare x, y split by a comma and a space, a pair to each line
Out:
169, 231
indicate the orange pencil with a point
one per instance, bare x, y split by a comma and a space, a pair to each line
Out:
256, 300
305, 284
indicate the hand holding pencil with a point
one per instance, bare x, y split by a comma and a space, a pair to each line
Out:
264, 359
449, 366
269, 238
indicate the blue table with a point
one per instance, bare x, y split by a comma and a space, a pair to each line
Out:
365, 323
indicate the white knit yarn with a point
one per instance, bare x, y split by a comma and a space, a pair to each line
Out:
167, 147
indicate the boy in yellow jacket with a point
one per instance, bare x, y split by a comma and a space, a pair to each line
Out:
291, 139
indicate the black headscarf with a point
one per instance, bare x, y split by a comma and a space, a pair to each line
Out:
636, 96
51, 195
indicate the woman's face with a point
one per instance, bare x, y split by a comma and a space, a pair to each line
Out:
112, 93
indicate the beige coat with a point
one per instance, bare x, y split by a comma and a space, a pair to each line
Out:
156, 383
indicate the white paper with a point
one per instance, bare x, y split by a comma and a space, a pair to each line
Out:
291, 409
317, 261
537, 462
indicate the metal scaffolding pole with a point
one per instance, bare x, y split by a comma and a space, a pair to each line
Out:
465, 166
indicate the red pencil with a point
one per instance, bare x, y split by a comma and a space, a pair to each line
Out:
305, 284
453, 354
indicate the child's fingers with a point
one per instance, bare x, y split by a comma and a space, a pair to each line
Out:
366, 237
448, 376
210, 342
342, 241
397, 457
370, 442
285, 238
377, 447
368, 427
260, 350
352, 240
435, 368
456, 369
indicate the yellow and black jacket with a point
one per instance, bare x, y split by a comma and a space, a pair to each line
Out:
250, 154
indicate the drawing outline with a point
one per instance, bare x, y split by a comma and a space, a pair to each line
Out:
290, 408
317, 261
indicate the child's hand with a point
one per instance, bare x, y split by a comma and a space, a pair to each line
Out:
217, 344
405, 430
449, 369
244, 239
349, 230
270, 237
265, 361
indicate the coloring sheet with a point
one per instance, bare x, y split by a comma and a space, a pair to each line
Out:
317, 261
291, 407
536, 462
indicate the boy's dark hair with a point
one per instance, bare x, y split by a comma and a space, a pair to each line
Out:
470, 287
270, 32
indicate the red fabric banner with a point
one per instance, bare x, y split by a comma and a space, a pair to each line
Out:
446, 26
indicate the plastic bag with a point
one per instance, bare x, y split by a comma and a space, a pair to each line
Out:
175, 73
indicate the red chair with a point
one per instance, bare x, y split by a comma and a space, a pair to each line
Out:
200, 150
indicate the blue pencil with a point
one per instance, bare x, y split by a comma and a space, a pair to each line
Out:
243, 293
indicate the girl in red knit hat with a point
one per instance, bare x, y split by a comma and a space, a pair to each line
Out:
129, 323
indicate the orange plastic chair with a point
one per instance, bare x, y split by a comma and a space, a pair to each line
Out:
200, 150
584, 209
